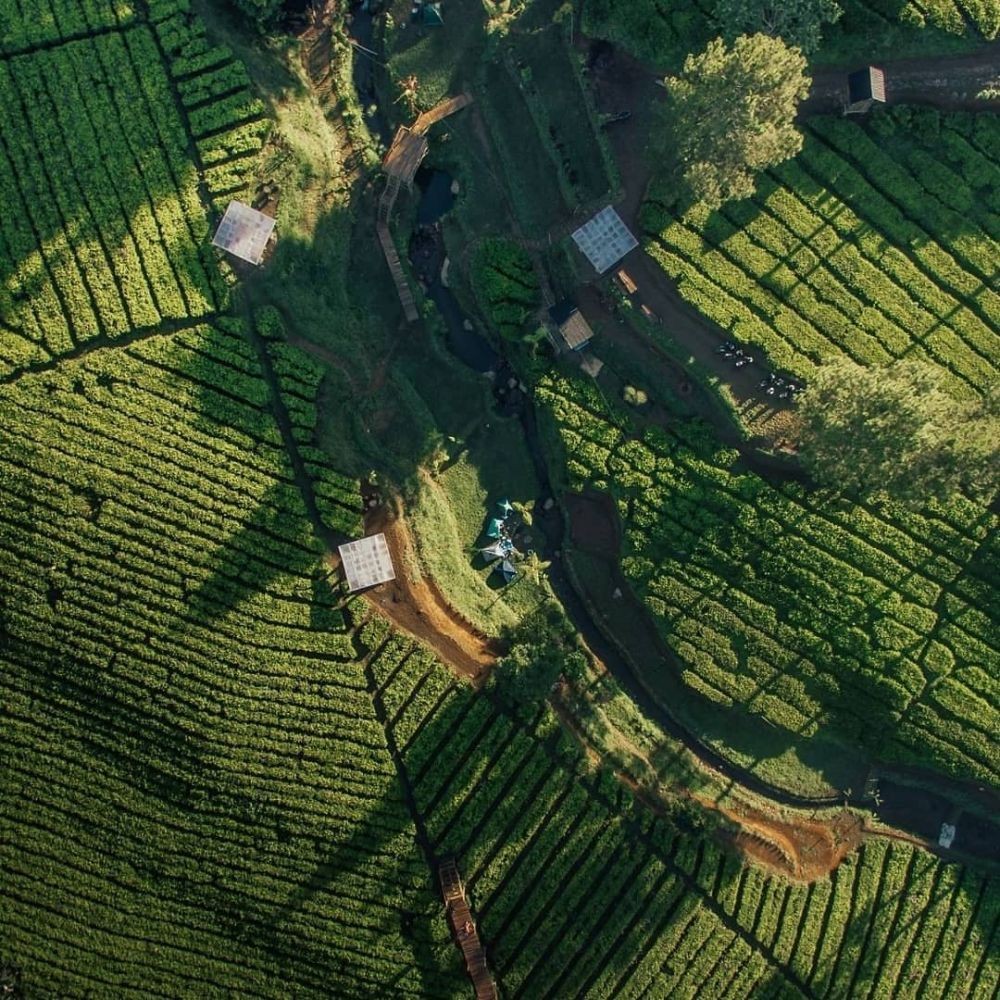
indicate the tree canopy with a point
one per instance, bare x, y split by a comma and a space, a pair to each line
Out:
731, 114
796, 22
263, 12
893, 429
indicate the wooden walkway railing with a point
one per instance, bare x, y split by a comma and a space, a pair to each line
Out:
464, 929
391, 192
396, 270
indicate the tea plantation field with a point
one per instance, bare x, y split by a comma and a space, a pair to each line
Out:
581, 894
196, 797
876, 623
874, 243
219, 778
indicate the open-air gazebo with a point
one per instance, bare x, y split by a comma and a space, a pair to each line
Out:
244, 232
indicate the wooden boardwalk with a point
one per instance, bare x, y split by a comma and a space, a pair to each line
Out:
447, 107
464, 929
396, 269
400, 165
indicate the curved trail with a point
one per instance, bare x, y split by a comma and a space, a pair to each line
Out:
951, 83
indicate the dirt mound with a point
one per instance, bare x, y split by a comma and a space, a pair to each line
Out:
806, 849
417, 605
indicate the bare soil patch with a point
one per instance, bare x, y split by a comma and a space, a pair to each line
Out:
593, 522
416, 605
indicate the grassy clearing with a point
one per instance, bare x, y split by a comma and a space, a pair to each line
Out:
442, 58
450, 515
532, 181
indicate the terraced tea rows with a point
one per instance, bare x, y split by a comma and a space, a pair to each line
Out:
197, 796
578, 894
808, 611
954, 16
871, 245
46, 22
105, 232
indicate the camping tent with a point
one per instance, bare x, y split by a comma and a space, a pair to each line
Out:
506, 506
507, 570
493, 552
496, 528
430, 15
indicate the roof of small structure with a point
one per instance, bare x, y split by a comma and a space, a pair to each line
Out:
575, 330
866, 84
244, 232
605, 239
405, 155
508, 570
367, 562
430, 13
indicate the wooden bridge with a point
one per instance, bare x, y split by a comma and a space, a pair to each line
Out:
447, 107
464, 929
408, 149
396, 269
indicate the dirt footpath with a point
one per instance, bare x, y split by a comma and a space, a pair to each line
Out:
415, 604
951, 83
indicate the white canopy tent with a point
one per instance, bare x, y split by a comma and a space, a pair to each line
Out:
244, 232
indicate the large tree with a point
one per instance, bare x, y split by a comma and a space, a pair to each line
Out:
262, 12
730, 115
893, 429
797, 22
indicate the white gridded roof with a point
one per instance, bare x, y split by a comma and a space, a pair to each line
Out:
367, 562
605, 239
244, 232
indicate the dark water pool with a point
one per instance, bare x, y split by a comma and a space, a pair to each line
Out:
436, 196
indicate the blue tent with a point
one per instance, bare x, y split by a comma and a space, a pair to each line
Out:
508, 571
430, 14
495, 530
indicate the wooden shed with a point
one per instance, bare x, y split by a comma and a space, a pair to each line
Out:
573, 328
865, 88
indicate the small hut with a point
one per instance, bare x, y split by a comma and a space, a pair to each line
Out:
865, 88
573, 328
366, 562
244, 232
